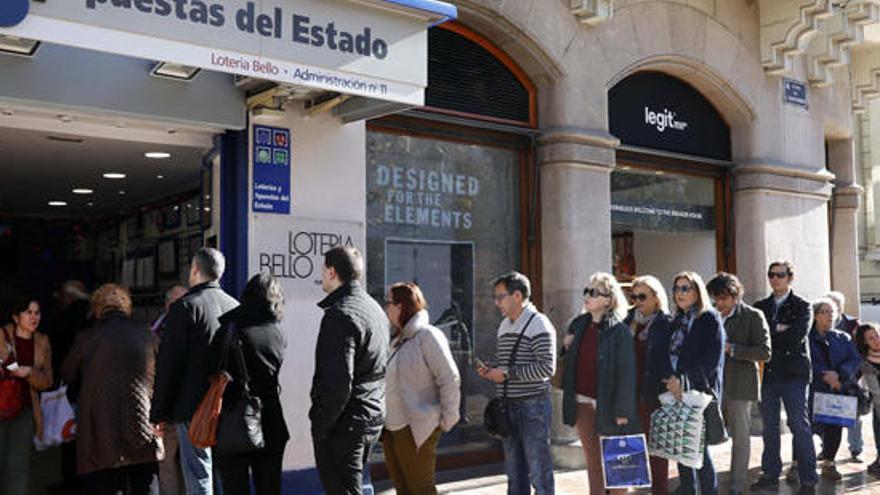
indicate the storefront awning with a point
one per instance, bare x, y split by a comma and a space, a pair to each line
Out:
375, 49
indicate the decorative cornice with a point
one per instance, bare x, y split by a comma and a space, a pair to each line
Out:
779, 178
575, 146
786, 26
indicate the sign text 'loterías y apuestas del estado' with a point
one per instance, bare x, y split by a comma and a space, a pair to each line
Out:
247, 20
373, 49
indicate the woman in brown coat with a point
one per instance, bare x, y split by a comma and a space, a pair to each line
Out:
114, 364
26, 357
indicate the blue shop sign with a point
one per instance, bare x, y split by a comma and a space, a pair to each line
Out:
271, 170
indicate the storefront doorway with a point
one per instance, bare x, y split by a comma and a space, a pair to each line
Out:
670, 191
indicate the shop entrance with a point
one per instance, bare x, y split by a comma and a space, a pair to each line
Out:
670, 191
85, 205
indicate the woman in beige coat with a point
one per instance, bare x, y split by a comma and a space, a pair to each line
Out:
26, 357
421, 392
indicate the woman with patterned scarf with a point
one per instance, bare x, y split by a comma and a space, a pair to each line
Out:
696, 353
650, 325
868, 343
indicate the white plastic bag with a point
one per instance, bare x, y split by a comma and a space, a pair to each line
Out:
678, 430
835, 409
59, 421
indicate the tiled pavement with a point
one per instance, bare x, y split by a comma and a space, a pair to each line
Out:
486, 480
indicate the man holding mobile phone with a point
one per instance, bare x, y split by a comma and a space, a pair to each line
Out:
787, 380
527, 458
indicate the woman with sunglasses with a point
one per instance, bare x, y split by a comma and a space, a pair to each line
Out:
835, 363
599, 381
650, 324
696, 353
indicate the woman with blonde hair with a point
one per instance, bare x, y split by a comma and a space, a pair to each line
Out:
696, 354
114, 363
651, 327
599, 381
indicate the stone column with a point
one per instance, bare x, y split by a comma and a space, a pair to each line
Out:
844, 224
781, 212
575, 167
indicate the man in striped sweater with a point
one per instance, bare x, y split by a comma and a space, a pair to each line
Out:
526, 382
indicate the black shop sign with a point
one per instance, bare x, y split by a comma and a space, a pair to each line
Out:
657, 111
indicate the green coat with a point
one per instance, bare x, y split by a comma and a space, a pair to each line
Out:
615, 377
749, 337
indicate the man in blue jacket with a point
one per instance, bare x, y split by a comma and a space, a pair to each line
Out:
786, 380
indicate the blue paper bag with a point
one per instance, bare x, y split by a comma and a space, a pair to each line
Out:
625, 461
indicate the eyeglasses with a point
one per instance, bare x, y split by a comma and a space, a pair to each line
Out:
500, 297
682, 289
777, 274
388, 302
639, 296
825, 312
594, 292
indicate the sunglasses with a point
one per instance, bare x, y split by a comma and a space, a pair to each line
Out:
640, 296
777, 274
682, 289
594, 292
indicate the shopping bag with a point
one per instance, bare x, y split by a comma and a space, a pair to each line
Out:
59, 421
678, 430
625, 461
835, 409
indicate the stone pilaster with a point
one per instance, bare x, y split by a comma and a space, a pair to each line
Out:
576, 231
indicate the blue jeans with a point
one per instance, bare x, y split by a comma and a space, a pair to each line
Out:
527, 459
794, 396
195, 464
854, 438
706, 475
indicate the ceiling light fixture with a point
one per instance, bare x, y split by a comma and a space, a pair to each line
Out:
113, 175
14, 45
82, 190
160, 176
57, 203
177, 72
122, 192
157, 155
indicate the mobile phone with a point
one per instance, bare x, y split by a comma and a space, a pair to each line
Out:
12, 367
480, 364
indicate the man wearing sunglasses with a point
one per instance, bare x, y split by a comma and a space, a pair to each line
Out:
786, 380
526, 384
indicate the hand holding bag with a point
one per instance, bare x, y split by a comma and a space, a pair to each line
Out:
59, 421
202, 431
241, 428
625, 461
12, 390
495, 418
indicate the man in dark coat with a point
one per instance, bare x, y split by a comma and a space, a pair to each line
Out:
348, 387
182, 366
786, 379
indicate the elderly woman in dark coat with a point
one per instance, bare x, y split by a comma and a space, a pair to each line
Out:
257, 324
114, 363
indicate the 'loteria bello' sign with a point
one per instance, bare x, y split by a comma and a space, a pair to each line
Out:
366, 48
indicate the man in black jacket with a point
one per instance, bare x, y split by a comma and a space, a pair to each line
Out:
787, 379
182, 364
348, 387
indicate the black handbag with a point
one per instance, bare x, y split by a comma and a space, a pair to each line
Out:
495, 418
240, 429
862, 395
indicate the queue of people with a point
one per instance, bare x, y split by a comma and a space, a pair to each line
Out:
386, 375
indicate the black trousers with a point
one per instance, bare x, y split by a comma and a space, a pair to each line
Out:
341, 456
140, 479
264, 465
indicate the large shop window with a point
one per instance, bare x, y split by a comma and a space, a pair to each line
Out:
446, 215
662, 224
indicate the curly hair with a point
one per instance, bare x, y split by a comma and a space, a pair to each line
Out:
110, 297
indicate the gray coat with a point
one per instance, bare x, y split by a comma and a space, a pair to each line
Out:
749, 337
426, 378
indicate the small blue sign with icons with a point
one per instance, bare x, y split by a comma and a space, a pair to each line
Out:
795, 92
13, 12
271, 191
